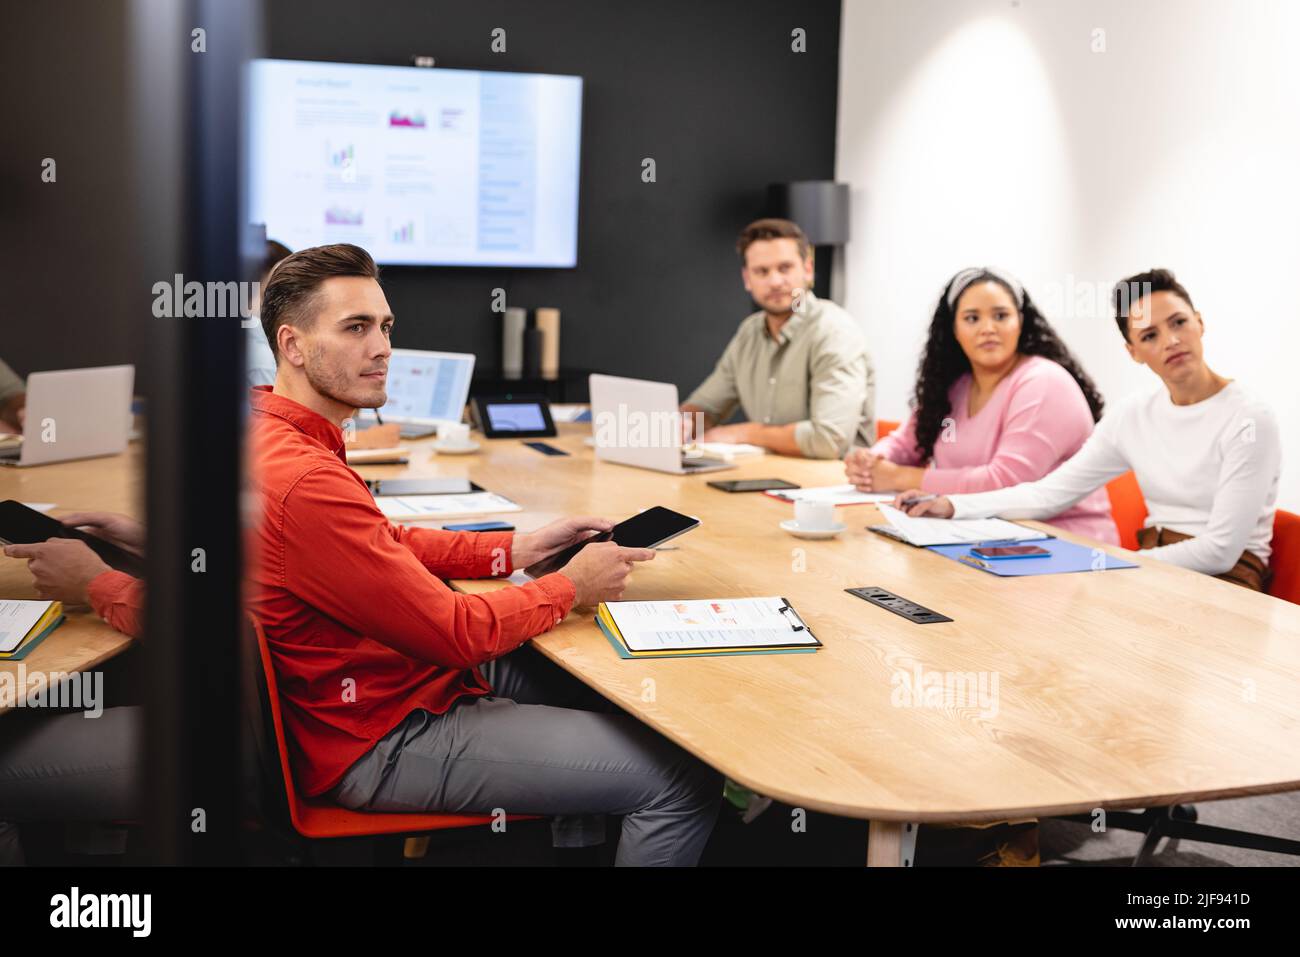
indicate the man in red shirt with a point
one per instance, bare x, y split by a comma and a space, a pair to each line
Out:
378, 661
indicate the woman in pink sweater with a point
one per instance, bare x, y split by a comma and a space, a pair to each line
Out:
999, 401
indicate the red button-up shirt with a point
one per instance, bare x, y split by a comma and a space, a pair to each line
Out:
361, 629
119, 600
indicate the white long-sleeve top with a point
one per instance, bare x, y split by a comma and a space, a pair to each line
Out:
1209, 470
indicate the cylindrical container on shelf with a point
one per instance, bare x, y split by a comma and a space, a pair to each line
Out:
513, 323
548, 321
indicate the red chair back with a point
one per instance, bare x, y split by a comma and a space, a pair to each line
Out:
1285, 561
1127, 507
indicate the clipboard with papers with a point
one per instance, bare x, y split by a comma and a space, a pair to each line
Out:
710, 626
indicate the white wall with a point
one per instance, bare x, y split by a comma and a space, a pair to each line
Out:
980, 132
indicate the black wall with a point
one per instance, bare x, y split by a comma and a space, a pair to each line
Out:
72, 289
709, 88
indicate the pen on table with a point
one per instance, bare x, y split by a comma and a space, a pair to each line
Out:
972, 560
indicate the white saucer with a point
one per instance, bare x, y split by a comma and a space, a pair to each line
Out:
792, 526
443, 448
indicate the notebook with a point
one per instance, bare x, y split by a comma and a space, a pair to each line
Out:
727, 450
24, 623
705, 626
925, 532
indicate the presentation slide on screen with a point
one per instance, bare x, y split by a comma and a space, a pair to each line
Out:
421, 167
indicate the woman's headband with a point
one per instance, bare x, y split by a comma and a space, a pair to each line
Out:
968, 276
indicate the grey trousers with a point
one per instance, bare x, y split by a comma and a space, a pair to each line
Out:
543, 743
66, 767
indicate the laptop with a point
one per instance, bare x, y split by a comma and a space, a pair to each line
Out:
637, 422
74, 414
426, 389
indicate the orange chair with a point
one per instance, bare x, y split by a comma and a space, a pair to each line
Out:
884, 427
318, 818
1285, 561
1127, 507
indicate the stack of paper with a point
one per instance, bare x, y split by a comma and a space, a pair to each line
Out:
428, 508
570, 412
945, 531
725, 450
835, 494
396, 455
24, 624
658, 629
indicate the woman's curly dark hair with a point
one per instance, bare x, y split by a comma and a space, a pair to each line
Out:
943, 362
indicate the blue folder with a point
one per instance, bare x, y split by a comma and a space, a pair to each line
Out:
1065, 557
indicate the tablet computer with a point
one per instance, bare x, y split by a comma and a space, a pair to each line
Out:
447, 485
752, 485
513, 416
20, 525
647, 529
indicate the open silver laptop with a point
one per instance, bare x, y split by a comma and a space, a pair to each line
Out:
426, 389
74, 414
637, 422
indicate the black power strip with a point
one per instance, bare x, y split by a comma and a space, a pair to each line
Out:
898, 605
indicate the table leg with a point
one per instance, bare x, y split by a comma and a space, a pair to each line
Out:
891, 844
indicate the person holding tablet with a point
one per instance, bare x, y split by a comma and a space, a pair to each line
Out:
1207, 454
399, 693
999, 400
62, 767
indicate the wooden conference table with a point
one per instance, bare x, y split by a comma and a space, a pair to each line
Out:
111, 484
1126, 688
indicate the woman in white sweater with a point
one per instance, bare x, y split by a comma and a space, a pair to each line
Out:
1206, 454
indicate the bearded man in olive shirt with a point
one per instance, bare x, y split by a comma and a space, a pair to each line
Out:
798, 368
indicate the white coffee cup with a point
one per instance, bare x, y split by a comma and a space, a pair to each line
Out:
814, 516
453, 433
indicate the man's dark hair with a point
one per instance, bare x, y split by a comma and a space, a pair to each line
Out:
1130, 290
291, 290
772, 229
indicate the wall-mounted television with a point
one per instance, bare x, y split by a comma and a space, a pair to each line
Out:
426, 167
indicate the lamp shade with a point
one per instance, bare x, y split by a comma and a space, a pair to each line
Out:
819, 206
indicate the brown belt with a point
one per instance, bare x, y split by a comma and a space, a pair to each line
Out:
1249, 572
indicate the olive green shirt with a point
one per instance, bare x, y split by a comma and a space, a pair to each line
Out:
815, 373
